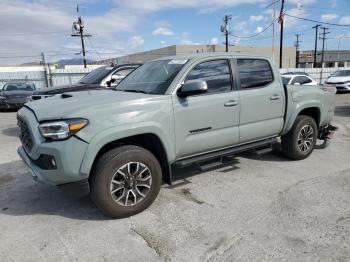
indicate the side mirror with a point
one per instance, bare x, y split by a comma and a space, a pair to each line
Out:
192, 87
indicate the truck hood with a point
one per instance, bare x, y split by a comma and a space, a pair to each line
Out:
88, 104
338, 79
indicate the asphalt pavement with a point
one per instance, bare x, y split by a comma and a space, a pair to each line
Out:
255, 208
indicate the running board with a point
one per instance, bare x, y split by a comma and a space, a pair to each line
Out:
225, 152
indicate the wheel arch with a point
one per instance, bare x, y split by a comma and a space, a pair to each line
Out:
149, 141
313, 111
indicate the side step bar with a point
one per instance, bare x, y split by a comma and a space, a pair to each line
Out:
226, 152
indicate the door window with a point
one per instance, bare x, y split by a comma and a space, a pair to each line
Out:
216, 73
254, 73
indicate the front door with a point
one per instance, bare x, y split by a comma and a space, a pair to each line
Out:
207, 121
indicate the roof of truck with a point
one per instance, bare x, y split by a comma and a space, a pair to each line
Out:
216, 54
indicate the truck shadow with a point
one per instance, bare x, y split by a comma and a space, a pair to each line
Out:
21, 196
342, 111
12, 131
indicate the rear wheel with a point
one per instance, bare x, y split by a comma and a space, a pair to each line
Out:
300, 141
125, 181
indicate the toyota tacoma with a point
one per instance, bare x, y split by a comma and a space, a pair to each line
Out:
169, 113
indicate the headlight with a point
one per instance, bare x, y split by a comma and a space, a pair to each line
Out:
60, 130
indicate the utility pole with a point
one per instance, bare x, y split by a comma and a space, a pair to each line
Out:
45, 72
323, 38
280, 20
78, 31
315, 50
273, 29
297, 45
224, 29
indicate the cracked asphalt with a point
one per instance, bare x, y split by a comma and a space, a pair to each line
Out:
253, 208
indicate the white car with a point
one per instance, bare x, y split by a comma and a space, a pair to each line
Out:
341, 80
298, 80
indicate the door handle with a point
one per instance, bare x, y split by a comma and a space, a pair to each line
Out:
231, 103
275, 97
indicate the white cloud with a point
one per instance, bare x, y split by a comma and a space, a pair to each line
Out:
259, 29
302, 2
290, 21
256, 18
185, 39
214, 41
345, 20
163, 43
136, 41
163, 31
333, 3
329, 17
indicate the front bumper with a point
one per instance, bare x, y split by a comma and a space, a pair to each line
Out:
343, 87
67, 154
12, 103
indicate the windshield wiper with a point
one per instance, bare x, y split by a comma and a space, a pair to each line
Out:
132, 90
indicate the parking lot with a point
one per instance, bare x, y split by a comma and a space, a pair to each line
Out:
252, 209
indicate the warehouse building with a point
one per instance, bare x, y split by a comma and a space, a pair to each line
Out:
332, 58
289, 53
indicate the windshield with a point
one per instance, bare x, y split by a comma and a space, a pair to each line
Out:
96, 76
152, 78
342, 73
286, 80
19, 87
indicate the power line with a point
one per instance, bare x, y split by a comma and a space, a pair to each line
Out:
259, 33
315, 21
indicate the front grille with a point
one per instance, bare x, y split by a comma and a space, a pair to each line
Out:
25, 134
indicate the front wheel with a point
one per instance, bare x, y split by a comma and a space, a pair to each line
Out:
300, 141
125, 181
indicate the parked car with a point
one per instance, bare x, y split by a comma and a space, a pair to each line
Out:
103, 77
15, 94
298, 80
170, 112
341, 80
295, 73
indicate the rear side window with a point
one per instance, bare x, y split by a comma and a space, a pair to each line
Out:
216, 73
254, 73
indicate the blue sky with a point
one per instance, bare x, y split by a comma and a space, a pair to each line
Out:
28, 27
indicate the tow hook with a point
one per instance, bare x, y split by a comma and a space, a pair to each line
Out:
326, 132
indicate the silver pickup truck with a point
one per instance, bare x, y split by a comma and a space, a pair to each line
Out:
170, 112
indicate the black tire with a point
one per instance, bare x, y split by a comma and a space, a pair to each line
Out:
106, 169
289, 143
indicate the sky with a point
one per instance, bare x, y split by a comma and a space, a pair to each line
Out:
118, 27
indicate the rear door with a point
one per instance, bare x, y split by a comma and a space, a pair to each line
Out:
261, 100
207, 121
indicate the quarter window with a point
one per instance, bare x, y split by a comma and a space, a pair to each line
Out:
254, 73
216, 73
